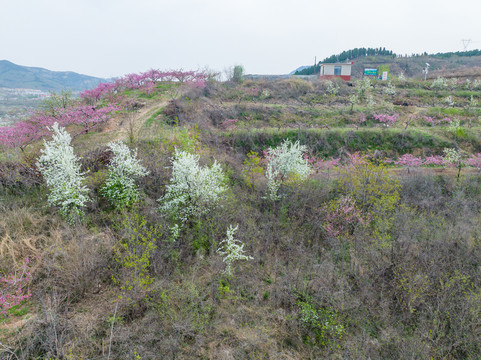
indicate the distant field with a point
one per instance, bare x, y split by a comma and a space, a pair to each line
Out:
16, 104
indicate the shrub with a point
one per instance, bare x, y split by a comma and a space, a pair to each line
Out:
193, 190
285, 163
324, 323
343, 217
61, 171
375, 192
133, 255
439, 84
124, 168
252, 167
332, 88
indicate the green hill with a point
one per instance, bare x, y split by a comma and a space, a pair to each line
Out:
17, 76
452, 64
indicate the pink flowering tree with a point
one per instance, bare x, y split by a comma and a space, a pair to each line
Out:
144, 82
360, 120
386, 119
432, 121
434, 160
409, 161
319, 164
474, 161
342, 217
23, 133
86, 116
96, 106
356, 159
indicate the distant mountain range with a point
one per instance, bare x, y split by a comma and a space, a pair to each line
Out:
300, 68
17, 76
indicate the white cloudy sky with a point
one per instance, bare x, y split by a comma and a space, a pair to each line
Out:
112, 37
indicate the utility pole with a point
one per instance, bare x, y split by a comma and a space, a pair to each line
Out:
425, 71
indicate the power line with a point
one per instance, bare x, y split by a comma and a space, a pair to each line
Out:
466, 43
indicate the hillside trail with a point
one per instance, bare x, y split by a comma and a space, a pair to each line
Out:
123, 125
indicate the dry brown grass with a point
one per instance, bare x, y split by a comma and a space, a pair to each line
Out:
23, 233
469, 72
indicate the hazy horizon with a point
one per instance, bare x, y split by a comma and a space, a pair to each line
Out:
106, 38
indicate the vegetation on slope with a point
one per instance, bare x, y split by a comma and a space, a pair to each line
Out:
371, 256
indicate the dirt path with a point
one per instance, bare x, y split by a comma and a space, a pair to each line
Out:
123, 125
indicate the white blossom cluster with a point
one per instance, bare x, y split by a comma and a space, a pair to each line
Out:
61, 171
454, 126
439, 84
452, 156
448, 100
193, 190
232, 250
390, 89
124, 168
332, 87
363, 86
285, 161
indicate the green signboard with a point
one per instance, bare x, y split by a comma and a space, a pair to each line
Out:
370, 72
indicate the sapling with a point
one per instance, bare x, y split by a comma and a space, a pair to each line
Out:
61, 171
452, 157
232, 250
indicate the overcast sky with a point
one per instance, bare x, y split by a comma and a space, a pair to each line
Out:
110, 38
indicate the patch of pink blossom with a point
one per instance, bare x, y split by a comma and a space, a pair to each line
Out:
474, 161
434, 121
25, 132
386, 119
145, 82
343, 217
14, 287
229, 124
409, 160
436, 160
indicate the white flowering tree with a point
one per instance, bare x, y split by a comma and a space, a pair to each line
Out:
285, 162
389, 89
232, 250
193, 189
61, 170
439, 84
124, 168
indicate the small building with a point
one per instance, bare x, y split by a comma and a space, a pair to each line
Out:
330, 71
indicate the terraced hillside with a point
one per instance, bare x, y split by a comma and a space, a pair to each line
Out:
285, 219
